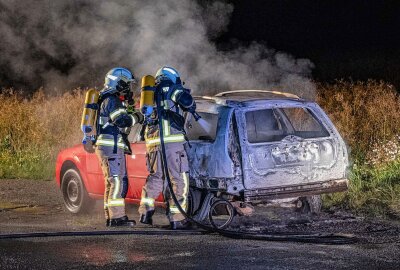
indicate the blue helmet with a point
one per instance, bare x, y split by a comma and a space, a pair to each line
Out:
168, 73
118, 80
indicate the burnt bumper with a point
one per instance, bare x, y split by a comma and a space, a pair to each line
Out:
264, 194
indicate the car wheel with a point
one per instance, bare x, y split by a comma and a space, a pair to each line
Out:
75, 196
310, 204
194, 200
221, 213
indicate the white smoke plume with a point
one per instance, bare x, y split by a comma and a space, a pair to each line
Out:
63, 44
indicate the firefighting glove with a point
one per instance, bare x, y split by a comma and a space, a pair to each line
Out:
130, 109
139, 118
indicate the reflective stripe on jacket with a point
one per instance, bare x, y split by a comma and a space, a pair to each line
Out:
113, 117
171, 135
108, 140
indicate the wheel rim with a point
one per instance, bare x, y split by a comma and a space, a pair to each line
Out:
72, 193
73, 190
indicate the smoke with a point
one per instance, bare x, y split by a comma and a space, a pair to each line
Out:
64, 44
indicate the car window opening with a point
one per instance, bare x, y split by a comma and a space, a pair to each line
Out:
205, 130
270, 125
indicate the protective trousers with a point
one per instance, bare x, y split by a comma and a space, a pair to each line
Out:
178, 170
115, 180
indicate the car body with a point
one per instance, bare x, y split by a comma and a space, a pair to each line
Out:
250, 145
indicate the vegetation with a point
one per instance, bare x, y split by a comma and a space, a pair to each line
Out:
367, 115
373, 191
32, 131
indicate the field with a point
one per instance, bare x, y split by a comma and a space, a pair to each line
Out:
367, 114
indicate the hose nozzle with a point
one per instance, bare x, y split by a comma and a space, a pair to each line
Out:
196, 116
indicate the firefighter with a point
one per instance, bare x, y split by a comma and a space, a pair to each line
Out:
175, 99
114, 122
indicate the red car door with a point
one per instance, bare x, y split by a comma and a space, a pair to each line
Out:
95, 175
137, 172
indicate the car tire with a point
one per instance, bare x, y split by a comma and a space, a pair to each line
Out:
311, 204
194, 201
221, 207
76, 198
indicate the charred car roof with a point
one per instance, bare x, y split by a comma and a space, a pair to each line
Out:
246, 98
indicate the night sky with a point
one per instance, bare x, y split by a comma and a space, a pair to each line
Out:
357, 38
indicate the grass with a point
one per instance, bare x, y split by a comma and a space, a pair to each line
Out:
34, 130
373, 191
30, 164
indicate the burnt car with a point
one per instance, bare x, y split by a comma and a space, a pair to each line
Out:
249, 147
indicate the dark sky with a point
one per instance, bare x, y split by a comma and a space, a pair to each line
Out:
356, 39
353, 38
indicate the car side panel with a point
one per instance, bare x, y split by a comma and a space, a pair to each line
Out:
77, 156
95, 174
137, 171
136, 167
59, 163
92, 175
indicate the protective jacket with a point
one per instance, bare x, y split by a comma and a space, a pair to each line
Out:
175, 100
113, 118
111, 145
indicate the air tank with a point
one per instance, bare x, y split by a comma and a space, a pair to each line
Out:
147, 95
89, 113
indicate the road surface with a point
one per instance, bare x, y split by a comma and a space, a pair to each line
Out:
36, 206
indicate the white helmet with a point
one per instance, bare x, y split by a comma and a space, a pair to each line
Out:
118, 80
168, 73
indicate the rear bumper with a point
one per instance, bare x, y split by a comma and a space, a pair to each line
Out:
264, 194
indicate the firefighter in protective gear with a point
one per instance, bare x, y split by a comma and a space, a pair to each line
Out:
112, 144
175, 99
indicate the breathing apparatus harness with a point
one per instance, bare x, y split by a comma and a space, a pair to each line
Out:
93, 107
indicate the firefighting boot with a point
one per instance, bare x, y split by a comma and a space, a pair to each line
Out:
147, 218
121, 222
180, 225
107, 222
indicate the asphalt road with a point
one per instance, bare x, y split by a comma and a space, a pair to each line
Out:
188, 252
36, 206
